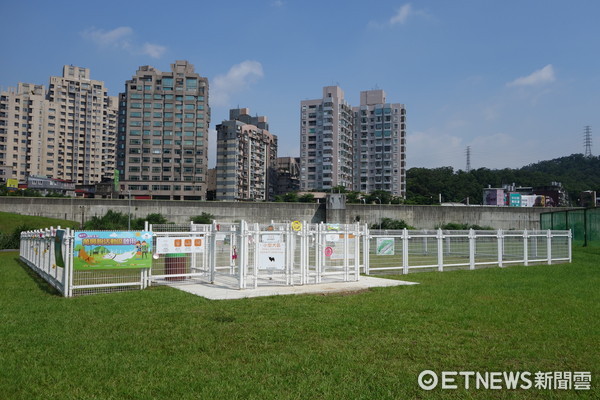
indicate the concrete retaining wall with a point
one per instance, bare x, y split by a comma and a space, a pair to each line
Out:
424, 217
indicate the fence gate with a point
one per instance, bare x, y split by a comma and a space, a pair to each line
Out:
182, 252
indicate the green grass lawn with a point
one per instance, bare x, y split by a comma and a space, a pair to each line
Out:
9, 221
162, 343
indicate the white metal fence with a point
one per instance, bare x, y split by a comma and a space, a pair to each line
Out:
38, 250
242, 255
405, 251
246, 255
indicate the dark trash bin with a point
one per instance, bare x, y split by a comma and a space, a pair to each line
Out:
176, 263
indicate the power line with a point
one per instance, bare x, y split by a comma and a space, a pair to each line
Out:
587, 140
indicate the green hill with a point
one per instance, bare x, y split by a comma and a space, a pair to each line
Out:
576, 173
9, 222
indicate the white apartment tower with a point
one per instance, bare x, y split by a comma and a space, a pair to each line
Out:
326, 141
379, 145
65, 133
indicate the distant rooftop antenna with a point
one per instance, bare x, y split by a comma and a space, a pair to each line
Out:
468, 158
587, 140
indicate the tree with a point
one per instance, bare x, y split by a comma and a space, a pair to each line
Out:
307, 198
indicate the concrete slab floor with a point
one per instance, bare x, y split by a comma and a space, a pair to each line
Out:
220, 292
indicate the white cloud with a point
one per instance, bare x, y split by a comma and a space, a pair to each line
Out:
118, 37
238, 78
122, 38
536, 78
401, 15
153, 50
278, 3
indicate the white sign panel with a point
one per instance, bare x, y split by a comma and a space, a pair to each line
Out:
385, 247
337, 243
184, 244
270, 238
271, 255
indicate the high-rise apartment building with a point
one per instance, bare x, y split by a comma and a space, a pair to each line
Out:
246, 158
67, 132
326, 141
379, 145
163, 134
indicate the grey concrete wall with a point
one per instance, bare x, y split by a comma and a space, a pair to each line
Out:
174, 211
180, 212
429, 217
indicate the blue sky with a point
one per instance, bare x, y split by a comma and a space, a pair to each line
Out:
516, 81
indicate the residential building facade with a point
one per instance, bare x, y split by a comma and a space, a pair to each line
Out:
288, 175
379, 145
326, 159
246, 158
163, 134
67, 132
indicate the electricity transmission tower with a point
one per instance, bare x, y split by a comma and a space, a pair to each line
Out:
468, 159
587, 140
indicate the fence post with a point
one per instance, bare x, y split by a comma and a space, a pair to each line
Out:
525, 248
471, 249
405, 251
500, 236
549, 246
242, 255
69, 262
440, 250
366, 249
570, 249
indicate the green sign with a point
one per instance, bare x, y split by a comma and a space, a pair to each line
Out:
58, 244
116, 179
112, 250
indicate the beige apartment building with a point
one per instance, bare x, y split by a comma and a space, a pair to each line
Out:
67, 132
246, 158
163, 134
326, 159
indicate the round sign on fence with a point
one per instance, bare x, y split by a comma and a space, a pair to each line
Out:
328, 251
296, 225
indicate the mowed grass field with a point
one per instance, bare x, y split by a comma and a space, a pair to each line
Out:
162, 343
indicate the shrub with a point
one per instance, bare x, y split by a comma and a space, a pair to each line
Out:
204, 218
391, 224
13, 240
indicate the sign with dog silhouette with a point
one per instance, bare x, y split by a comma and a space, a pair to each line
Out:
271, 255
95, 250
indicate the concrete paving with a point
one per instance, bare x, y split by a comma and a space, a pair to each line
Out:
226, 292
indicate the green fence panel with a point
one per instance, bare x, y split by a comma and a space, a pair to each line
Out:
585, 224
546, 221
593, 227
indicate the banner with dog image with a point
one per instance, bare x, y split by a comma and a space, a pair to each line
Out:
112, 250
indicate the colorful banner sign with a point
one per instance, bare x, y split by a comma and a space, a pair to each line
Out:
112, 250
184, 244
